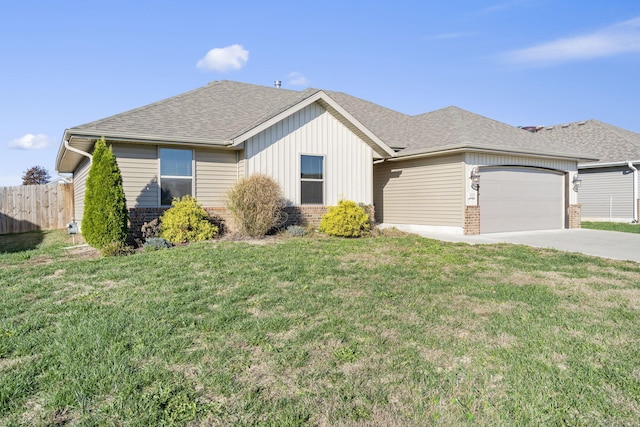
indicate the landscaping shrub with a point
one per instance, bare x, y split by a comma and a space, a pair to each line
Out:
155, 244
117, 248
105, 207
256, 205
150, 229
186, 221
348, 219
295, 231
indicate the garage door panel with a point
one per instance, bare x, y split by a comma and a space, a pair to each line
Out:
519, 199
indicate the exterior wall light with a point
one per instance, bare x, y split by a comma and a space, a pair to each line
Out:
577, 181
475, 179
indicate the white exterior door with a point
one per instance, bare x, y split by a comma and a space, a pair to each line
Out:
520, 199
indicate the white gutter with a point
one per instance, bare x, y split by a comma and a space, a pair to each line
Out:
145, 138
75, 150
65, 179
635, 191
606, 165
483, 150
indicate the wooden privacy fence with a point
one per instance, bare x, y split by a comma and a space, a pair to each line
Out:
35, 207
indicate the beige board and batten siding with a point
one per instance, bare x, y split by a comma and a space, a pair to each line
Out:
138, 165
216, 172
79, 189
424, 191
606, 194
348, 160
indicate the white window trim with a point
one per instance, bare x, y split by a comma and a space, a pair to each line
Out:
323, 180
160, 176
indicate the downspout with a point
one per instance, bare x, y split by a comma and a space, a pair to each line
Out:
635, 191
82, 153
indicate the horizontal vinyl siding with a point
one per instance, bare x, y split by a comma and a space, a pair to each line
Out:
216, 172
80, 188
607, 193
313, 131
424, 191
139, 167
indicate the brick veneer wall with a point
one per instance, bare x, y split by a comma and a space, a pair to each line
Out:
472, 220
296, 215
575, 216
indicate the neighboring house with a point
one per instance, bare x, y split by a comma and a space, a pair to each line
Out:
323, 146
609, 190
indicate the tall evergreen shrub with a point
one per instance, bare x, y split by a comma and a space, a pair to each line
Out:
105, 208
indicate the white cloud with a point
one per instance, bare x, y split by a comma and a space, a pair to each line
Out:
620, 38
295, 78
227, 58
31, 142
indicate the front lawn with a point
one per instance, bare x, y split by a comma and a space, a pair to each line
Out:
399, 331
624, 227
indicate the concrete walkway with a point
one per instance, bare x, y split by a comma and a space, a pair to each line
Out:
605, 244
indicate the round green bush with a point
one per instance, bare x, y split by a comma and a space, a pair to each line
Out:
186, 221
348, 219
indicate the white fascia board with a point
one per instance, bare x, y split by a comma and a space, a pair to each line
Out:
71, 134
390, 151
484, 150
607, 165
240, 139
144, 138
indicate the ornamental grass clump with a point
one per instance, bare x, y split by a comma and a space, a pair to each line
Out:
256, 205
186, 221
348, 219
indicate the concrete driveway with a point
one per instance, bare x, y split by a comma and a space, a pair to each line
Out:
605, 244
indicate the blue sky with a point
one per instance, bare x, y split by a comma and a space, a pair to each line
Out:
522, 62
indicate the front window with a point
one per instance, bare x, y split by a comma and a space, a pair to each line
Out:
176, 174
311, 180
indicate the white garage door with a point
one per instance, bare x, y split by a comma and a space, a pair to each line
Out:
519, 199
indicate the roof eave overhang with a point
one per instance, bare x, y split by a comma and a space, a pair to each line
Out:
380, 147
88, 134
438, 151
607, 164
143, 138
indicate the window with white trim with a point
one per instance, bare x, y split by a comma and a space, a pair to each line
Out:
311, 180
176, 174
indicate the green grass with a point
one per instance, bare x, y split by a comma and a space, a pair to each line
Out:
612, 226
319, 331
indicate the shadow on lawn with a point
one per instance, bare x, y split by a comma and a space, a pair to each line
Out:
25, 235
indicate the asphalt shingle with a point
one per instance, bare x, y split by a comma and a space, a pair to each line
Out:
223, 110
606, 142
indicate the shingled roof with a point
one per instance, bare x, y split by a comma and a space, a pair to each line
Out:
214, 113
453, 128
610, 144
222, 112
